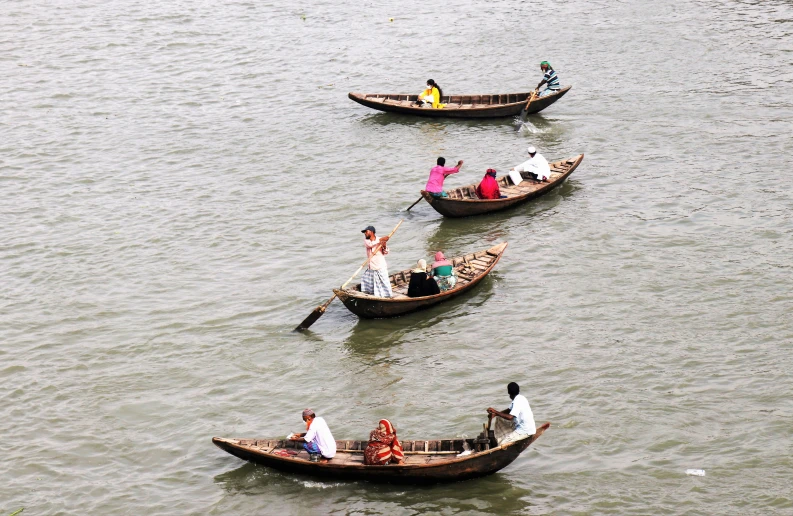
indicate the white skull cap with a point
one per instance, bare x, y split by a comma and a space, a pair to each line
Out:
532, 150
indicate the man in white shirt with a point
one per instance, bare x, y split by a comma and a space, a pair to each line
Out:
519, 413
317, 439
536, 164
375, 279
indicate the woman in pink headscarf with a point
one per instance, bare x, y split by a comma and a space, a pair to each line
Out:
443, 272
383, 447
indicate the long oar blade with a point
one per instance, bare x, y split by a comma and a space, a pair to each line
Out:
415, 203
311, 319
318, 311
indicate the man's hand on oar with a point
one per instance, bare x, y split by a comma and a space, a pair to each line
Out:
318, 311
525, 111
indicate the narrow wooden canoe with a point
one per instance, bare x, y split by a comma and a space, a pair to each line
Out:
459, 106
470, 270
463, 202
426, 462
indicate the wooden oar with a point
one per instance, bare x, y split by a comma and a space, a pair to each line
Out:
415, 203
318, 311
525, 109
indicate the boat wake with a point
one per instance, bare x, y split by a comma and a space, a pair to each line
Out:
526, 127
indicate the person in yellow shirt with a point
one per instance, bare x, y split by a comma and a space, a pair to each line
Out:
432, 95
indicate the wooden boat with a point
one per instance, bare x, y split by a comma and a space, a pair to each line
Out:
470, 270
425, 462
459, 106
463, 202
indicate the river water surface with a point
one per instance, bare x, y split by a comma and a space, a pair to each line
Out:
182, 182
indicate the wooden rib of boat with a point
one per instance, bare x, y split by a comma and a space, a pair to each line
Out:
470, 270
425, 462
459, 106
463, 202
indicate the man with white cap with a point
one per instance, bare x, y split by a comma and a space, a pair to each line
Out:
536, 165
318, 439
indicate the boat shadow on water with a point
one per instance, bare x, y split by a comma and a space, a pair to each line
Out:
494, 494
368, 337
386, 119
464, 232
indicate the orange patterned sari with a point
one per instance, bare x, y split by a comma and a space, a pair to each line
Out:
383, 446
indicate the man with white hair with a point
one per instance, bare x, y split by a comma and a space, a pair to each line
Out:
317, 439
536, 165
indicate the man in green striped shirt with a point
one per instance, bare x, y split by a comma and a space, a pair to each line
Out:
549, 78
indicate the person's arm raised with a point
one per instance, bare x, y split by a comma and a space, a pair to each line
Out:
453, 170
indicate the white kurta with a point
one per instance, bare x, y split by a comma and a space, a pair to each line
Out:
536, 165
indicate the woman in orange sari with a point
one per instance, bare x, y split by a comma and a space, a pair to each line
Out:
383, 447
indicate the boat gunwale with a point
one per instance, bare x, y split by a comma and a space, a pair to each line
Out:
578, 159
357, 96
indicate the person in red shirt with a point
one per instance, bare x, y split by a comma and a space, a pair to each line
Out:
488, 188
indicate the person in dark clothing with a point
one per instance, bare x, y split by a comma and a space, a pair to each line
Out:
421, 283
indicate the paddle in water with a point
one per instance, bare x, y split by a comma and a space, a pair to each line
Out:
525, 111
415, 203
318, 311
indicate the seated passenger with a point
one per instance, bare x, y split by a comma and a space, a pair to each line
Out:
421, 283
431, 96
383, 447
318, 439
443, 272
488, 188
537, 166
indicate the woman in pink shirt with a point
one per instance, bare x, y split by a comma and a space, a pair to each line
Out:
437, 175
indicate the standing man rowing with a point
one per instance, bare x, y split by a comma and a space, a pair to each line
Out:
375, 278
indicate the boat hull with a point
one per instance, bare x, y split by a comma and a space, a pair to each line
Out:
370, 307
435, 469
399, 103
450, 207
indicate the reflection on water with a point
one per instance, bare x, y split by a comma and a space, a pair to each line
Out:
386, 119
370, 337
494, 494
460, 236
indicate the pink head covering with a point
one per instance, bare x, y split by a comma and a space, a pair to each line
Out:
440, 260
